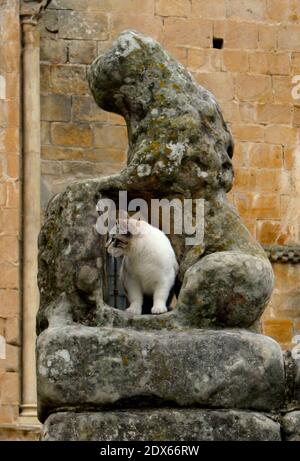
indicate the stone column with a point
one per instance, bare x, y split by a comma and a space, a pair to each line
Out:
30, 13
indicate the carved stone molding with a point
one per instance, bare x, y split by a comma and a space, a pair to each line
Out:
32, 10
283, 254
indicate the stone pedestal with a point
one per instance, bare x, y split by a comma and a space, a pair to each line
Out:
198, 372
161, 425
84, 367
149, 385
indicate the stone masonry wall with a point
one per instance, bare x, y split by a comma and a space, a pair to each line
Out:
251, 76
9, 211
252, 79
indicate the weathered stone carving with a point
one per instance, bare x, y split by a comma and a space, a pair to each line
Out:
92, 357
179, 146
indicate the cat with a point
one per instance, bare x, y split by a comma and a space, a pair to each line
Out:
149, 265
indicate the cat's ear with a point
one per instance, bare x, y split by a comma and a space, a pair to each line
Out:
138, 216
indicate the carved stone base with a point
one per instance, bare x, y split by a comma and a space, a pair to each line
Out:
95, 368
161, 425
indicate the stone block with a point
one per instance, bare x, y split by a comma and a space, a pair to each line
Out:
247, 111
53, 50
8, 415
240, 35
10, 388
61, 153
295, 62
256, 88
3, 195
9, 306
9, 276
268, 231
9, 248
3, 113
231, 114
281, 134
277, 10
83, 25
145, 23
111, 137
2, 326
180, 8
67, 79
10, 220
248, 133
289, 37
244, 179
267, 36
282, 89
289, 154
268, 180
274, 114
113, 156
82, 51
291, 426
45, 133
179, 53
241, 9
279, 64
116, 6
258, 62
55, 108
265, 206
296, 116
192, 32
214, 9
12, 361
206, 60
161, 425
85, 367
219, 83
84, 109
235, 61
70, 135
280, 330
12, 327
265, 156
13, 165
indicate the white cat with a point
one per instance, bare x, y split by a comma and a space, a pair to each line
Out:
149, 264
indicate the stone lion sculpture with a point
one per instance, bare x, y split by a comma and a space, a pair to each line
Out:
179, 146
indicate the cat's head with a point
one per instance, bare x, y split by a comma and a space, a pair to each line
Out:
118, 244
121, 236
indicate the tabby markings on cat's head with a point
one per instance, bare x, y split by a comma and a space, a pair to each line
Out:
118, 243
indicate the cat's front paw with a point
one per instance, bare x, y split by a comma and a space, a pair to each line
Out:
134, 309
159, 309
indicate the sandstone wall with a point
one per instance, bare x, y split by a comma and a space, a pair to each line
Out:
10, 185
251, 76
